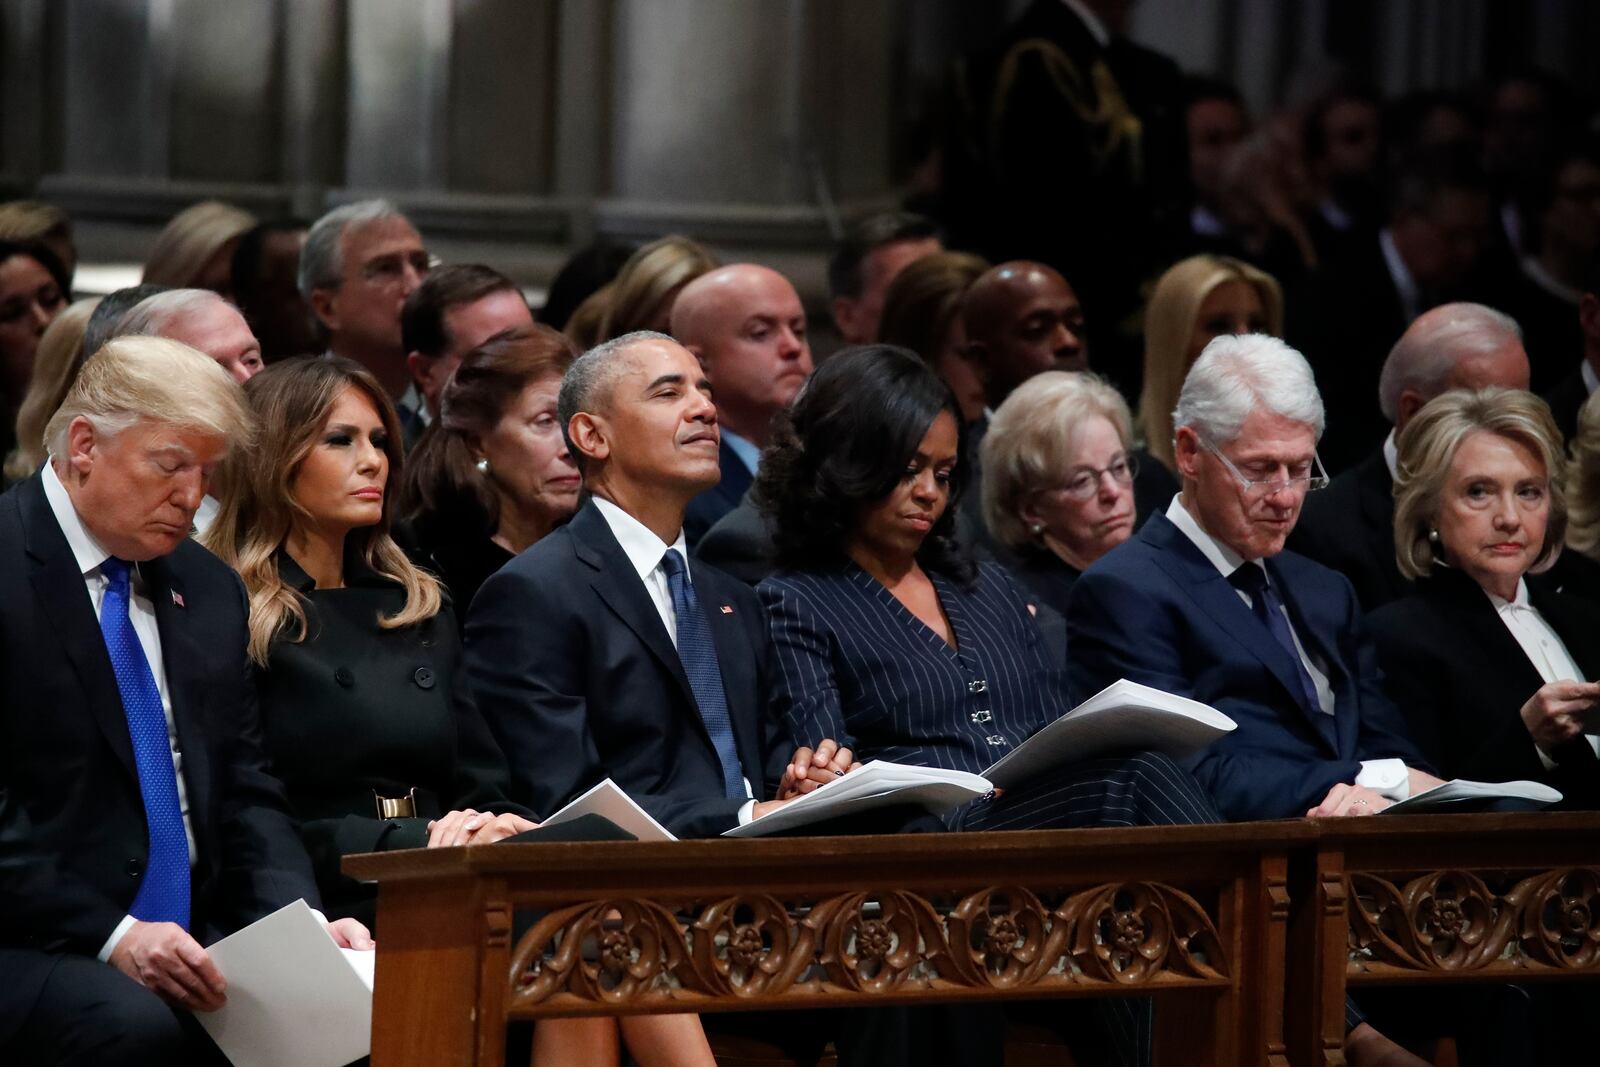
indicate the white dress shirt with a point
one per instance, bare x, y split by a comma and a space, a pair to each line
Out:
1386, 776
1405, 285
645, 551
142, 613
1591, 380
1544, 649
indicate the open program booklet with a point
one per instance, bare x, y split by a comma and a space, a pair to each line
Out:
1461, 792
1123, 717
877, 784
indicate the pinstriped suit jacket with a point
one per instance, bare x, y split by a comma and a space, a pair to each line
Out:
852, 663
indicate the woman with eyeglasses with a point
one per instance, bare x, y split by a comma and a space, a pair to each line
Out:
1058, 478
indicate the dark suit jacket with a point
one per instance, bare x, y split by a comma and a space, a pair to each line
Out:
1566, 400
705, 509
740, 544
1349, 526
355, 709
1154, 610
1461, 679
73, 841
568, 661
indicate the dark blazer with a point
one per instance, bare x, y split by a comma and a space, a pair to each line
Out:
1349, 526
855, 665
1154, 610
73, 841
354, 709
1048, 578
1459, 676
1566, 399
568, 661
705, 509
455, 548
740, 544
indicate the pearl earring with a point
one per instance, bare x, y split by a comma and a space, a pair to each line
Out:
1036, 529
483, 466
1433, 535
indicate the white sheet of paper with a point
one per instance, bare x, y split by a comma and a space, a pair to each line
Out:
876, 784
1459, 790
608, 800
1124, 716
295, 999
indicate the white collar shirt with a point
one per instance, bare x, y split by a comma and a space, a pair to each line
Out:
1405, 286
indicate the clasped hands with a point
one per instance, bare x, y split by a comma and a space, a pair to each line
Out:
808, 769
167, 960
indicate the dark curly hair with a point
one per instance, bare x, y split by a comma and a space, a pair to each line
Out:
844, 446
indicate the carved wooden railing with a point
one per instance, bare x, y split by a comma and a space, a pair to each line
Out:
1196, 916
1438, 899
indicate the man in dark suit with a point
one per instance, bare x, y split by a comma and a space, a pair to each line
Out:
746, 325
1350, 525
138, 819
1569, 396
1203, 602
576, 651
1359, 301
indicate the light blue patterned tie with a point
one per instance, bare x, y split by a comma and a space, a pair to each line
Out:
699, 657
164, 893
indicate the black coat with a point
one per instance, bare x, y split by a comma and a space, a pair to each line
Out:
353, 710
1349, 526
1566, 400
568, 661
1461, 678
711, 505
73, 840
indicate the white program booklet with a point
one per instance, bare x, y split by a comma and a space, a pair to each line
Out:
295, 998
608, 800
877, 784
1124, 716
1461, 791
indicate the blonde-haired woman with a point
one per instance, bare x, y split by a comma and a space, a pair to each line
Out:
1496, 674
355, 650
195, 249
1196, 300
1583, 484
641, 295
1057, 478
55, 368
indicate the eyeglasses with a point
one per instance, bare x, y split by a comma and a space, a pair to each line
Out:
1263, 487
1085, 481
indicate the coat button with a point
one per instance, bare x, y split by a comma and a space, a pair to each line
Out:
345, 677
134, 868
423, 678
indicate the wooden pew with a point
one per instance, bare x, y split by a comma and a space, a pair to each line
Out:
1437, 899
1195, 916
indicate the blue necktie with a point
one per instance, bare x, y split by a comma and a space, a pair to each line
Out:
164, 893
1252, 578
699, 657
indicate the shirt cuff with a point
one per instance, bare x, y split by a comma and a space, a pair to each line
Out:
747, 812
1388, 777
116, 938
1544, 758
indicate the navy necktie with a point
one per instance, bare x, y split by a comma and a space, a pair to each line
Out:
699, 657
164, 892
1251, 578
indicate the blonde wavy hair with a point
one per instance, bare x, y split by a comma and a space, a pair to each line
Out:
1583, 483
55, 368
191, 239
1428, 446
1169, 322
292, 401
642, 291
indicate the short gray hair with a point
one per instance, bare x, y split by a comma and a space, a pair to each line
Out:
133, 379
587, 384
151, 316
1235, 375
1429, 351
322, 257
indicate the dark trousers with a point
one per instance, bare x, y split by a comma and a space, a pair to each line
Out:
89, 1014
1139, 789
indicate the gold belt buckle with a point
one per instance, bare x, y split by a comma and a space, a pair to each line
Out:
396, 807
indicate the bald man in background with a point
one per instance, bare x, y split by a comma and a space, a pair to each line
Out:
746, 325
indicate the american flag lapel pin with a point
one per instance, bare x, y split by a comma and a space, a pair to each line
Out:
727, 609
177, 598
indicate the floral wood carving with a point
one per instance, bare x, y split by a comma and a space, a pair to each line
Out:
1004, 938
1454, 921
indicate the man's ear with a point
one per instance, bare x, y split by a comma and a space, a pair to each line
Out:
82, 446
1410, 403
325, 306
698, 352
1186, 453
1589, 314
843, 309
420, 368
589, 435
